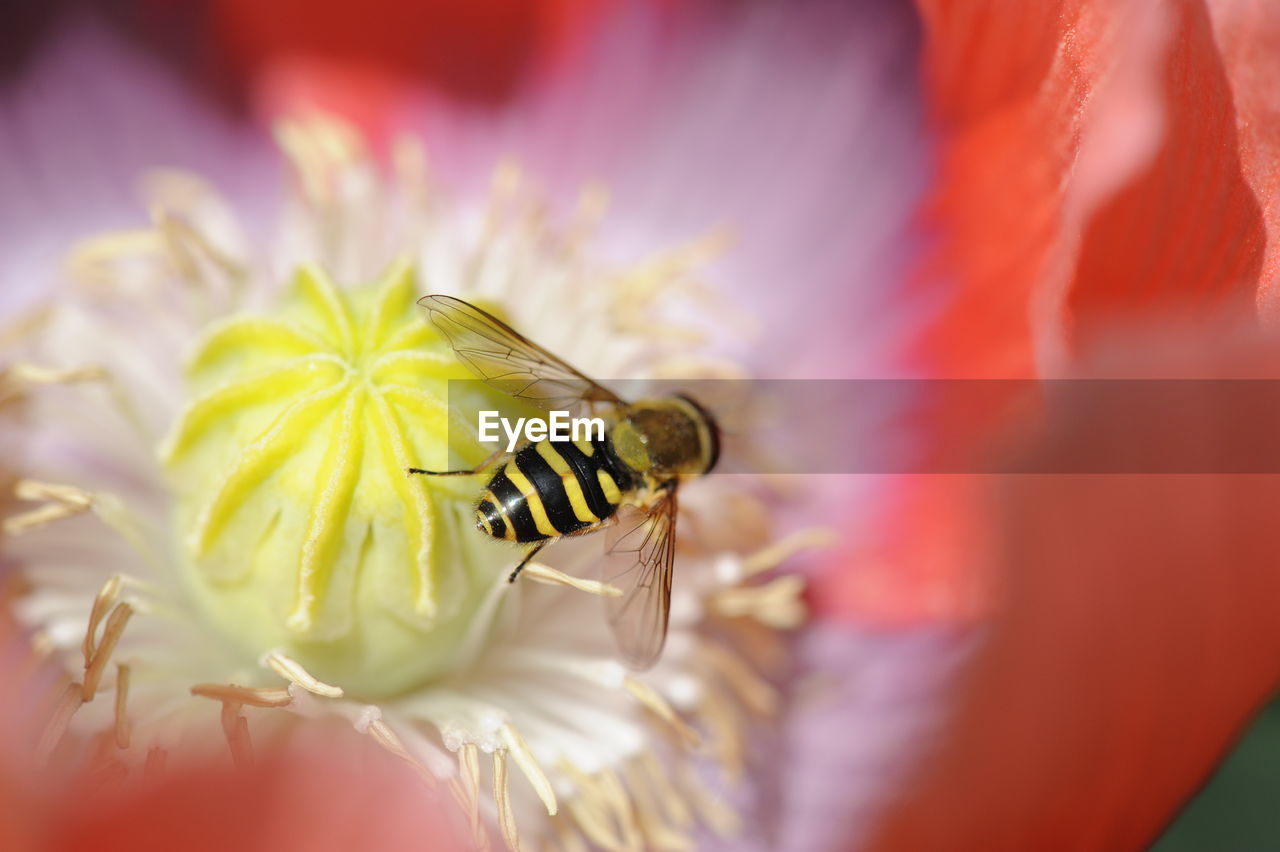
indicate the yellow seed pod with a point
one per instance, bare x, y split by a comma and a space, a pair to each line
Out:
301, 529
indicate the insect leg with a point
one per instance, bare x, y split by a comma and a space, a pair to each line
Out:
533, 551
468, 472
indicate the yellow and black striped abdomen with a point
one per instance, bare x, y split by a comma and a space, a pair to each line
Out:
552, 488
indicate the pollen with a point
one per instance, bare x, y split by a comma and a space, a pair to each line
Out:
302, 534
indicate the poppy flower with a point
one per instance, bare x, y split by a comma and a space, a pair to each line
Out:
209, 415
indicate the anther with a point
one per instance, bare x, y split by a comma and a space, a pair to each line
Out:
658, 831
658, 705
102, 603
754, 691
111, 634
122, 728
529, 766
552, 577
620, 803
63, 501
502, 799
230, 693
26, 373
236, 729
294, 672
775, 554
778, 604
68, 703
673, 803
154, 764
590, 810
180, 238
387, 738
469, 771
723, 820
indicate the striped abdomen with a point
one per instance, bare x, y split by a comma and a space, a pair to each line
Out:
550, 489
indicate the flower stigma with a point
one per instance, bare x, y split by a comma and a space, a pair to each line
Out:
301, 529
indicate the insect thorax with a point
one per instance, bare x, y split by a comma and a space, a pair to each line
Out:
665, 437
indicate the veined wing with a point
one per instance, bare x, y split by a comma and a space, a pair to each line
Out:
508, 361
640, 552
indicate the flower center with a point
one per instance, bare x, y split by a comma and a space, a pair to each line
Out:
302, 532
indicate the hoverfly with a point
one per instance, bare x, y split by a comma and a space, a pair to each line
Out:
625, 482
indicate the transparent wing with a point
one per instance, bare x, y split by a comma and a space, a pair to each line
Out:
507, 360
640, 551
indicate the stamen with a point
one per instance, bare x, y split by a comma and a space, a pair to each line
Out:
529, 766
107, 773
111, 634
779, 551
620, 803
65, 501
154, 765
293, 671
166, 229
506, 818
236, 729
102, 602
387, 738
230, 693
589, 812
26, 373
686, 368
318, 148
69, 702
504, 186
570, 839
778, 604
103, 747
723, 820
20, 377
180, 237
592, 204
657, 831
42, 645
412, 168
754, 691
720, 717
552, 577
469, 772
230, 712
642, 287
658, 705
90, 260
122, 727
505, 183
674, 804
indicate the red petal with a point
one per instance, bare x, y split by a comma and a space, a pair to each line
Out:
1043, 111
317, 786
1005, 148
1248, 34
331, 797
919, 566
1138, 632
1185, 236
474, 48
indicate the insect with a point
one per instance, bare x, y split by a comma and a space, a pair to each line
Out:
625, 482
